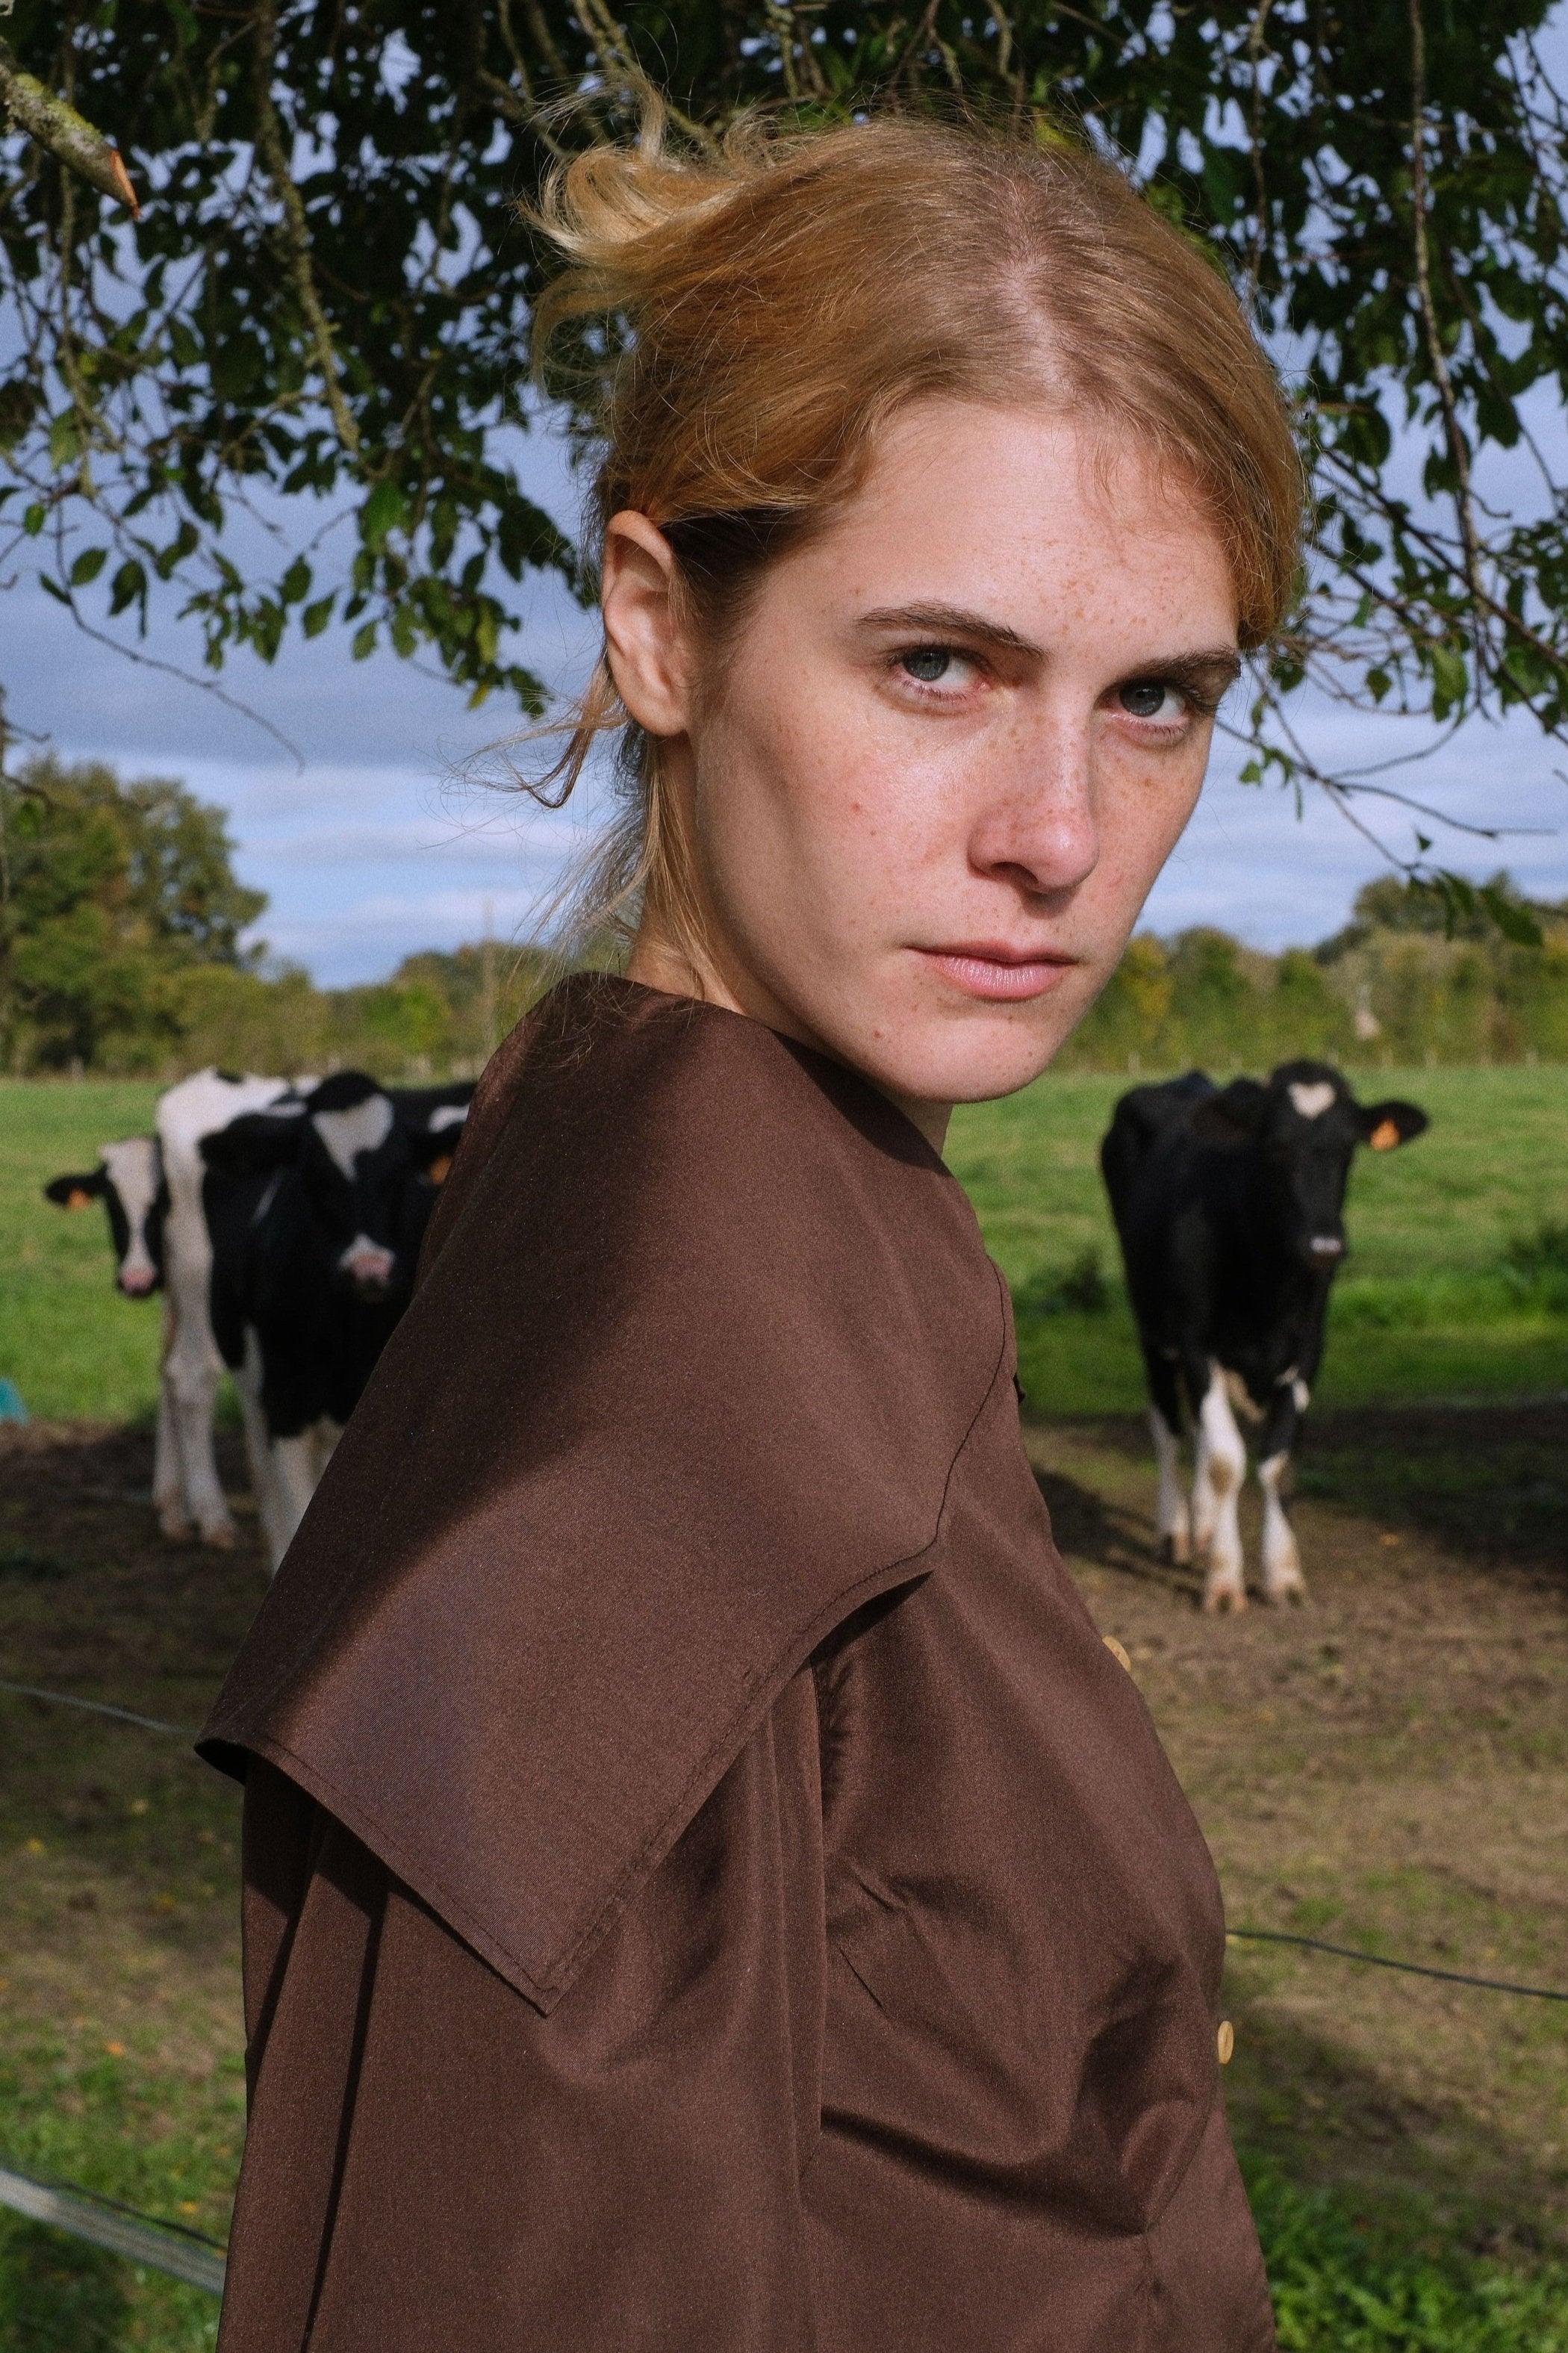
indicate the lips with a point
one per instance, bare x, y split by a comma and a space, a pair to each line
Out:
997, 973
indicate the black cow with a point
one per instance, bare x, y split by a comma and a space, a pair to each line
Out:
1229, 1203
129, 1181
317, 1209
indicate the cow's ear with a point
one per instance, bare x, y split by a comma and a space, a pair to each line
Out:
432, 1149
253, 1145
75, 1192
1386, 1125
1241, 1107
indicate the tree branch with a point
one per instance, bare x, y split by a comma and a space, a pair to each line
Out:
67, 135
1463, 502
297, 228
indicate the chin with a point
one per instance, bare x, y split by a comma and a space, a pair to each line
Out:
973, 1059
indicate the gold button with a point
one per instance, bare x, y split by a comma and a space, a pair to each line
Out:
1117, 1652
1225, 2042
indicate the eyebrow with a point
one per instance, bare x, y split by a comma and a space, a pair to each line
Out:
949, 621
1210, 667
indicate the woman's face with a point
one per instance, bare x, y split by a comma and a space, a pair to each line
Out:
954, 742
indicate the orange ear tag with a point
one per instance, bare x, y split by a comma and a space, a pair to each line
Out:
1384, 1135
76, 1199
436, 1172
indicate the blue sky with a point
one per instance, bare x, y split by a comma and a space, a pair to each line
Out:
372, 849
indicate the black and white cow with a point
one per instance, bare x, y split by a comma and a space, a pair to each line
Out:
129, 1181
1229, 1205
185, 1484
151, 1188
316, 1211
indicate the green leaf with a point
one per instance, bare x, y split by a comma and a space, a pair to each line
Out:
65, 439
296, 582
316, 616
61, 595
384, 511
33, 521
1450, 679
364, 641
1514, 922
88, 566
130, 585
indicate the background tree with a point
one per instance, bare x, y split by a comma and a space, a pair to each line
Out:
113, 894
292, 393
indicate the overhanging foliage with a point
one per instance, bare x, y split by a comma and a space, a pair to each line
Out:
321, 316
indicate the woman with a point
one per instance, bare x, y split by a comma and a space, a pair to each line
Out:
706, 1884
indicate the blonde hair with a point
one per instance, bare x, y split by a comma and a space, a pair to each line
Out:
782, 296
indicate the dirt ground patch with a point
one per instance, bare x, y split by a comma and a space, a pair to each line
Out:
1384, 1767
1387, 1766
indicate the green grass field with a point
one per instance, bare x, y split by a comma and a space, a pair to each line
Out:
71, 1344
1425, 1308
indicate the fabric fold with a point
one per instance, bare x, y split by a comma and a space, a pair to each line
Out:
702, 1329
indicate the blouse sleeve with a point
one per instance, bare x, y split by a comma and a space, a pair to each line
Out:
433, 2163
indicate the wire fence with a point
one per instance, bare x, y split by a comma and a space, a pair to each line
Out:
119, 2230
187, 2255
99, 1707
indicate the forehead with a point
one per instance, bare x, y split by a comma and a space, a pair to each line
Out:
1037, 511
132, 1167
346, 1133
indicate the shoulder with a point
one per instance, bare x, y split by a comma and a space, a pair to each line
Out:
666, 1135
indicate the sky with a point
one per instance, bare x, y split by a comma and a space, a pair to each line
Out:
375, 846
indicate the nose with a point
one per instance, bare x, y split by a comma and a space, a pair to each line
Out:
136, 1281
1326, 1248
1039, 829
367, 1264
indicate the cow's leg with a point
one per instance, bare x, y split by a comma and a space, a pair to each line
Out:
194, 1371
168, 1487
1172, 1520
1282, 1578
271, 1510
1216, 1494
295, 1458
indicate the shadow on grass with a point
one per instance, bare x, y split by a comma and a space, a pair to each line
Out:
1490, 1482
1317, 2114
58, 2296
1485, 1480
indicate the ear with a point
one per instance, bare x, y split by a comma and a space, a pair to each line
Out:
645, 643
253, 1145
75, 1192
1385, 1125
432, 1150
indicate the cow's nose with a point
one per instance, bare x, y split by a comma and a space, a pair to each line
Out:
368, 1265
136, 1282
1327, 1246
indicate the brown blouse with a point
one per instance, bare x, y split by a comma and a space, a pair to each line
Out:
708, 1886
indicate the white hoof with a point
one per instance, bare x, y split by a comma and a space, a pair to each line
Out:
219, 1536
174, 1524
1290, 1585
1224, 1593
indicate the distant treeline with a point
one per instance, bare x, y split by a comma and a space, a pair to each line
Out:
1392, 990
120, 917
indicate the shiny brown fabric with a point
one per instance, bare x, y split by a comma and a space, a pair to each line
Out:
707, 1885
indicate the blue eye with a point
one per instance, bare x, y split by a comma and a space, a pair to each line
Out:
928, 663
1143, 697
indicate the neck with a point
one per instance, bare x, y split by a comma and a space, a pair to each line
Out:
656, 961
